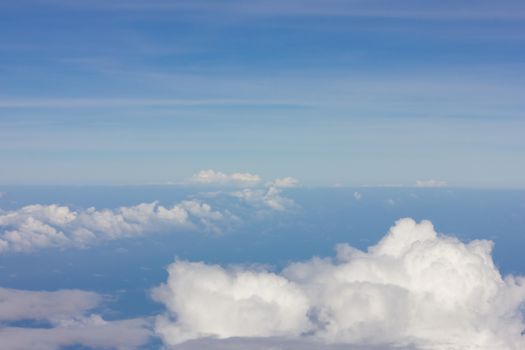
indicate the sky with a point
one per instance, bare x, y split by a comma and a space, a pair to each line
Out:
247, 175
351, 93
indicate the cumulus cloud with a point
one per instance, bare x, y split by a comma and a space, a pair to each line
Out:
212, 177
431, 183
270, 197
264, 304
41, 226
266, 196
68, 322
414, 288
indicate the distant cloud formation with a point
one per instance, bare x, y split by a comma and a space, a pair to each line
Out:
285, 182
212, 177
43, 226
37, 226
414, 289
266, 198
431, 183
68, 322
268, 195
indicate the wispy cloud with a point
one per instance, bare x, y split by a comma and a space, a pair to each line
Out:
404, 9
130, 102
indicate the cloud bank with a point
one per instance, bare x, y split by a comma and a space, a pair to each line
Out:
413, 289
67, 322
42, 226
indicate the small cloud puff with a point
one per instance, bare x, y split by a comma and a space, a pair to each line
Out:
42, 226
212, 177
431, 183
414, 288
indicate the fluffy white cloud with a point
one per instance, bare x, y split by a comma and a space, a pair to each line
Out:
70, 323
415, 288
40, 226
212, 177
431, 183
212, 301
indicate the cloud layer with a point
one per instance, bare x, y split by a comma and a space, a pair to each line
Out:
42, 226
414, 288
68, 322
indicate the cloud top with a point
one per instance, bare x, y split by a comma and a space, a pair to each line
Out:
212, 177
42, 226
415, 287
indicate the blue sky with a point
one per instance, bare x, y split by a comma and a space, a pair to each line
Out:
331, 92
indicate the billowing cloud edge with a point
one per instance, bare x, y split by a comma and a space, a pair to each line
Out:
414, 289
44, 226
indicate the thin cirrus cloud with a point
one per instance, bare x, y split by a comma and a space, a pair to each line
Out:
414, 289
130, 102
68, 320
44, 226
404, 9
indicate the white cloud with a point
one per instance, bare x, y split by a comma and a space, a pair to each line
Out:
269, 197
431, 183
41, 226
413, 288
358, 196
70, 323
212, 177
253, 192
262, 304
285, 182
